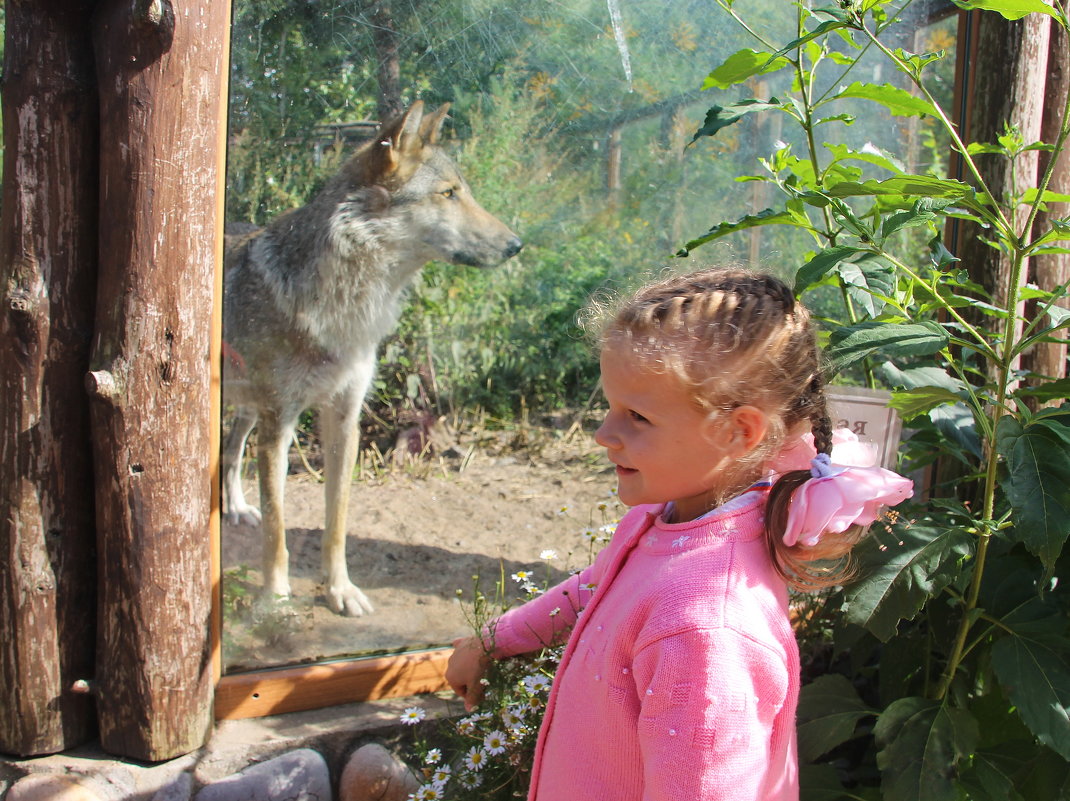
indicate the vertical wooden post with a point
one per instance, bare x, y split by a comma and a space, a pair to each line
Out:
160, 73
47, 280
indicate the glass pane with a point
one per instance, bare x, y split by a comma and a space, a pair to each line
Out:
571, 124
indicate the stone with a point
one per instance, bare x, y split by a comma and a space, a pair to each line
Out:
300, 775
178, 789
373, 773
42, 787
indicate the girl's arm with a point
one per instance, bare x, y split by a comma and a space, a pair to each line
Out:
542, 621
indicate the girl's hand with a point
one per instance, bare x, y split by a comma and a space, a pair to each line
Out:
467, 665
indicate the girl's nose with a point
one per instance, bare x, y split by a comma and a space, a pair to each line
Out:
603, 436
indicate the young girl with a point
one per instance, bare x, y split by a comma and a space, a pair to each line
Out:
681, 674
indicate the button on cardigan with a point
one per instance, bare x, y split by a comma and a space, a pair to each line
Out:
680, 679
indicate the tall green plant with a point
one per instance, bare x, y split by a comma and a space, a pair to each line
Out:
951, 677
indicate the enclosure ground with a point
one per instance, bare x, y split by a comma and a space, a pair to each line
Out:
421, 533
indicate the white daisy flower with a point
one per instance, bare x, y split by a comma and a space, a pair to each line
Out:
476, 758
427, 792
511, 719
441, 775
433, 756
470, 780
548, 554
535, 683
495, 743
521, 576
412, 715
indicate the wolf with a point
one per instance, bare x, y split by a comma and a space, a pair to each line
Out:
308, 299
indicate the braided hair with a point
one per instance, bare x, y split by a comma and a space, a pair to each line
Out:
733, 337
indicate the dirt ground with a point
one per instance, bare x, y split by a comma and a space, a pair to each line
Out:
422, 531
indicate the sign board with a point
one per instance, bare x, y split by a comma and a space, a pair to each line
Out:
867, 414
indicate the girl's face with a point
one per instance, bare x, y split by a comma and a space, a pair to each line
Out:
664, 446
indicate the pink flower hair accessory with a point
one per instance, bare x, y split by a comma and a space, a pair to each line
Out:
838, 497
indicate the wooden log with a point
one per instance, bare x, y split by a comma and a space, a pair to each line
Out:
161, 73
47, 276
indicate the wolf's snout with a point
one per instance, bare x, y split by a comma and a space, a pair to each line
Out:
512, 247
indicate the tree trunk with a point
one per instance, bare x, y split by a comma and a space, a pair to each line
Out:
385, 39
48, 275
1051, 271
1011, 82
161, 72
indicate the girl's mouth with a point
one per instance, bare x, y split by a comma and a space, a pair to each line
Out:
625, 471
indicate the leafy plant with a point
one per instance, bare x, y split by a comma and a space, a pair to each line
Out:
949, 676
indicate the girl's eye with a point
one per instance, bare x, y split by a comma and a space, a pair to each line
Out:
636, 416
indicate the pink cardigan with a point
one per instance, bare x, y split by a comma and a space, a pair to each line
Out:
681, 675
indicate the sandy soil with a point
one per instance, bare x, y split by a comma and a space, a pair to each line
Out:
419, 532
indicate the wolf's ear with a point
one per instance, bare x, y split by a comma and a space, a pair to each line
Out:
400, 134
431, 125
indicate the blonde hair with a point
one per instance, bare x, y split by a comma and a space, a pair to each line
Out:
732, 338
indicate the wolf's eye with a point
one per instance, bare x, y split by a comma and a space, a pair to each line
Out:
448, 193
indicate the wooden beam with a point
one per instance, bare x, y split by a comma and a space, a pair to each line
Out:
160, 73
274, 692
47, 276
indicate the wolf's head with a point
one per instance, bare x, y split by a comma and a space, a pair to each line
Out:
405, 178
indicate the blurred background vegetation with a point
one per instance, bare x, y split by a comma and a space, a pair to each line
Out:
572, 121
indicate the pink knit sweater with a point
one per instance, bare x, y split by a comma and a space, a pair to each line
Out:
681, 675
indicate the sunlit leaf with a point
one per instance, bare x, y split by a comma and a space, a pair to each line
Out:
853, 343
1037, 482
764, 217
828, 714
900, 570
899, 102
915, 377
820, 265
1035, 676
922, 400
816, 33
869, 280
869, 153
921, 185
1011, 9
922, 742
719, 117
1052, 390
740, 66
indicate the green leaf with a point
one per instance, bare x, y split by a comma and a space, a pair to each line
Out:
764, 217
1052, 390
922, 185
1036, 678
820, 265
914, 402
988, 780
816, 33
828, 714
869, 280
741, 65
854, 343
820, 783
1037, 482
915, 377
923, 212
900, 570
1011, 9
917, 61
942, 258
869, 153
720, 117
922, 743
899, 102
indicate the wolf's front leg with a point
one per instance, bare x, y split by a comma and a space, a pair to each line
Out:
235, 509
273, 445
341, 437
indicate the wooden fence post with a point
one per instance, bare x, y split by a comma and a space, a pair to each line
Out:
161, 72
47, 279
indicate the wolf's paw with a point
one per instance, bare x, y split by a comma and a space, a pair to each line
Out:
243, 515
347, 599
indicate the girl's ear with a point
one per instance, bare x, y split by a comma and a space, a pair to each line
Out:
747, 427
